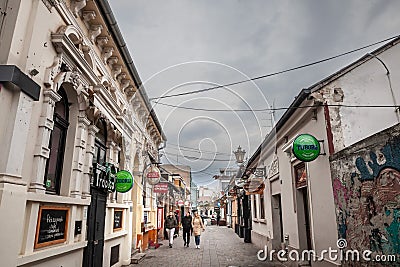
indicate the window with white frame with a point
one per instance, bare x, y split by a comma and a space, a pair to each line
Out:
54, 165
262, 206
254, 205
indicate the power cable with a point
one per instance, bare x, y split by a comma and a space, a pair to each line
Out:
190, 149
274, 73
280, 108
196, 158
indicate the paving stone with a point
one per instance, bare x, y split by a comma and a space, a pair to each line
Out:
220, 246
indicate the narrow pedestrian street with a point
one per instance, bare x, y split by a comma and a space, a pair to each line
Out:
219, 246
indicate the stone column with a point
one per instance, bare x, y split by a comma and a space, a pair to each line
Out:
79, 155
110, 151
89, 153
42, 151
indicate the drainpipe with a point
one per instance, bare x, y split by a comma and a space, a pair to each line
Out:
396, 110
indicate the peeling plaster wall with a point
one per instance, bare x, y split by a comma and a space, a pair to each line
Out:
366, 185
366, 84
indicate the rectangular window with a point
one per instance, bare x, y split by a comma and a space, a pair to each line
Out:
114, 255
254, 206
300, 175
54, 163
262, 208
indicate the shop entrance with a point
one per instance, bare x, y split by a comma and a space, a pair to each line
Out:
93, 254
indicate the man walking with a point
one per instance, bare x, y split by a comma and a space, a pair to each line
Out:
187, 227
170, 224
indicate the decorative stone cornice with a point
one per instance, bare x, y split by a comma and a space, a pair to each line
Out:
106, 53
94, 31
88, 16
121, 77
102, 41
124, 84
116, 69
112, 60
76, 6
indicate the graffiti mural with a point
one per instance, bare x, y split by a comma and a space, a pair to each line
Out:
366, 185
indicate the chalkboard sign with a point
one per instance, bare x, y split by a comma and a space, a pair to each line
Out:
52, 226
118, 216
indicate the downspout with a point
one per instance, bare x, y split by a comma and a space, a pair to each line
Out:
396, 109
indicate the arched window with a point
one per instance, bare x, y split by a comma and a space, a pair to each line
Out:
100, 144
54, 166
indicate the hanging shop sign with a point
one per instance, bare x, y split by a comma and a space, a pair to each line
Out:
180, 202
104, 176
152, 174
160, 188
124, 181
306, 147
160, 217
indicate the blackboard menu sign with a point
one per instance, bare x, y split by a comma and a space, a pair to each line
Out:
118, 216
52, 226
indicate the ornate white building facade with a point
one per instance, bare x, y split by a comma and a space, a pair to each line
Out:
70, 100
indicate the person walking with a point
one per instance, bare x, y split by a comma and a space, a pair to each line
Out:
187, 227
170, 224
198, 226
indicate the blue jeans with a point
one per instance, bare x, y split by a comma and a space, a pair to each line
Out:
197, 240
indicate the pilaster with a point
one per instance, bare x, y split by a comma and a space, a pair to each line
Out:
89, 153
42, 151
79, 157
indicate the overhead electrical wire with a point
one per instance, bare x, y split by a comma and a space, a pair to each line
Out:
274, 73
280, 108
195, 158
191, 149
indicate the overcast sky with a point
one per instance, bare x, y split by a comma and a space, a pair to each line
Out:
180, 46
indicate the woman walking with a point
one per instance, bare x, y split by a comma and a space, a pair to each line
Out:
198, 226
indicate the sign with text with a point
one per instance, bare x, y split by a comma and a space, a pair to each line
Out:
160, 188
160, 217
52, 226
152, 174
104, 176
118, 217
124, 181
306, 147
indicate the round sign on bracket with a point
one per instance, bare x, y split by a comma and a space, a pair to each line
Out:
124, 181
152, 174
306, 147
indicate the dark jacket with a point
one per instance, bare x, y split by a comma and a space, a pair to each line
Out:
170, 222
187, 222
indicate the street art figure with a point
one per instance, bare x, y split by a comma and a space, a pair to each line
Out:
368, 200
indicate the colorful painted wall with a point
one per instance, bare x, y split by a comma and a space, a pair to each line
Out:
366, 185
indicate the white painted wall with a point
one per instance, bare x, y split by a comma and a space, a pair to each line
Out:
367, 84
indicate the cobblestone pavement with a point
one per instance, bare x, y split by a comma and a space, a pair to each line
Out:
220, 246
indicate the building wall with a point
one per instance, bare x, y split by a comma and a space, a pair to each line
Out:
367, 84
45, 36
366, 184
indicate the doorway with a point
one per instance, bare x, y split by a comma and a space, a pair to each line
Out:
277, 221
303, 213
93, 254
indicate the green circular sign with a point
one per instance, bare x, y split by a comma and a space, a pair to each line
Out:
124, 181
306, 147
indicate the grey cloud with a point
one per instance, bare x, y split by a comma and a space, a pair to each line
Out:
256, 37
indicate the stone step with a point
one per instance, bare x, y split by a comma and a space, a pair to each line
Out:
137, 258
134, 251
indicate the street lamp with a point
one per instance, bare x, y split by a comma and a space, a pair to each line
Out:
239, 154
